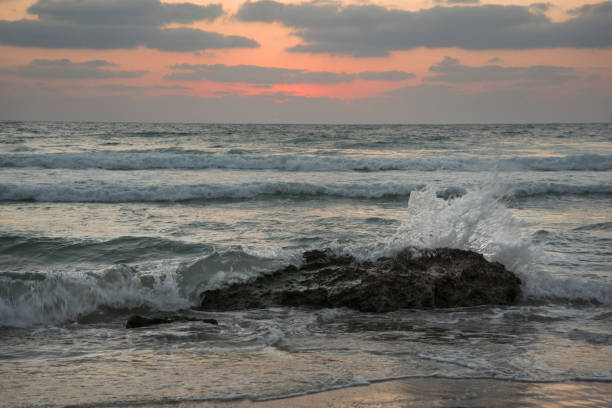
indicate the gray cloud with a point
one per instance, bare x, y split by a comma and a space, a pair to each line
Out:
122, 12
253, 74
540, 7
385, 75
140, 89
66, 69
598, 9
108, 24
451, 70
369, 30
457, 1
188, 39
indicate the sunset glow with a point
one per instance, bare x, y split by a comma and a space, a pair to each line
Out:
334, 50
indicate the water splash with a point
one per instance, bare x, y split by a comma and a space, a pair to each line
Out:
56, 297
477, 221
62, 297
480, 221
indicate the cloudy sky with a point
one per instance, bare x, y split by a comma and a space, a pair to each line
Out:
376, 61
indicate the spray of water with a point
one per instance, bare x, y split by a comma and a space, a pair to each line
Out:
480, 221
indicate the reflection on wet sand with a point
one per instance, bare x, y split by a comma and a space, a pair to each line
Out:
441, 392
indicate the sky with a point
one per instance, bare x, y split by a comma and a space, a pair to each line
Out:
283, 61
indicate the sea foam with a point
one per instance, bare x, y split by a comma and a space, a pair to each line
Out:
105, 192
56, 297
148, 160
61, 297
480, 221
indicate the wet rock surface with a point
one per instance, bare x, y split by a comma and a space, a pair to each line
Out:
411, 279
136, 321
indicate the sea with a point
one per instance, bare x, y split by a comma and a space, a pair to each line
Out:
100, 221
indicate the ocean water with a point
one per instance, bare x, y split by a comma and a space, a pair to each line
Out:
102, 220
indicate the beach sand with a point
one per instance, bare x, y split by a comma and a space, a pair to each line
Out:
440, 392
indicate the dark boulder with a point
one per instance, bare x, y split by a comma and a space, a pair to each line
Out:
411, 279
141, 321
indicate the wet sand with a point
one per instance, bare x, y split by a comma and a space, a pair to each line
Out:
439, 392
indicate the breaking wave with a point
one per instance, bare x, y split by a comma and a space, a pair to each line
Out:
480, 221
240, 160
55, 297
47, 299
103, 192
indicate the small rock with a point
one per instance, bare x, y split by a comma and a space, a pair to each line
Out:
141, 321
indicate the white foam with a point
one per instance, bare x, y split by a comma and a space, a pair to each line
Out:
540, 284
480, 222
105, 192
479, 365
530, 189
273, 336
111, 160
59, 296
477, 221
64, 297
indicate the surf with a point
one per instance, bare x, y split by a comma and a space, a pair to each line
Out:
240, 159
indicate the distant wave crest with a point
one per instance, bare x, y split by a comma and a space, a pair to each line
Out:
148, 160
173, 193
113, 193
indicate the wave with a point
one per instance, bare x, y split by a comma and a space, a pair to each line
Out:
595, 338
105, 193
47, 298
239, 159
17, 250
602, 226
539, 189
63, 297
102, 192
479, 221
55, 297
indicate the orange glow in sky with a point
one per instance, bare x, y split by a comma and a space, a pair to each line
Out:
591, 66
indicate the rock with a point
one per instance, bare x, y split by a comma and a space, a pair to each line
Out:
140, 321
412, 279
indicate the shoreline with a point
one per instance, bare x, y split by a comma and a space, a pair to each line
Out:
428, 392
